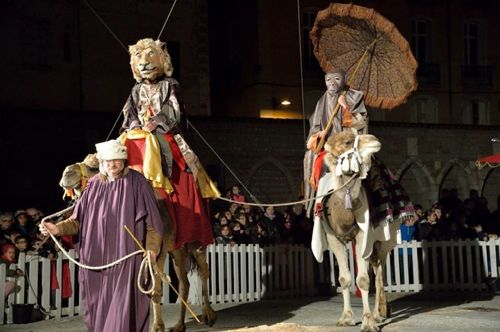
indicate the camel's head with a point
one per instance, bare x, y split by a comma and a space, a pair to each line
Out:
75, 176
349, 153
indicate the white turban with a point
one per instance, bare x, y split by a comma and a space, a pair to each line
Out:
110, 150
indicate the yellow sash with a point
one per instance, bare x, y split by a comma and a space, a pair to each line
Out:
151, 168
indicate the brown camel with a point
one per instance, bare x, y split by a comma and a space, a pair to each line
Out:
347, 155
74, 179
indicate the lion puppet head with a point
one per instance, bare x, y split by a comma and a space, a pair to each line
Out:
149, 60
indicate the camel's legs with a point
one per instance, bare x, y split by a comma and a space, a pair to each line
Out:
363, 283
180, 258
345, 280
381, 309
158, 324
209, 315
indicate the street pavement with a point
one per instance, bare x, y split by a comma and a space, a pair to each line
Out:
410, 312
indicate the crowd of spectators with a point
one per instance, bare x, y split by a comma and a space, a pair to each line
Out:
239, 223
454, 219
19, 233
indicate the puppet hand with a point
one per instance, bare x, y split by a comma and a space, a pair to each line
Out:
313, 141
342, 101
47, 227
150, 126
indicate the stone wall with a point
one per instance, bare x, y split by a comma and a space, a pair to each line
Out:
265, 154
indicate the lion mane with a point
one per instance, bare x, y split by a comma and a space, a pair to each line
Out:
165, 65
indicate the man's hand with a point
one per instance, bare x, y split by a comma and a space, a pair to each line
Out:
47, 227
153, 255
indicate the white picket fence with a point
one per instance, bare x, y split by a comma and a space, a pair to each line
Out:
244, 273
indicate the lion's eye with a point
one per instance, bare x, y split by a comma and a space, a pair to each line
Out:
137, 54
151, 53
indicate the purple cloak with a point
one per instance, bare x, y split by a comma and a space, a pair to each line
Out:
111, 300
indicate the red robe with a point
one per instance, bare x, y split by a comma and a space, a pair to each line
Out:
188, 209
185, 205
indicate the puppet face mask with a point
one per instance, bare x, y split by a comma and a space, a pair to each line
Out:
335, 82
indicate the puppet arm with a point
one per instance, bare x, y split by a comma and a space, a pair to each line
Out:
170, 115
131, 119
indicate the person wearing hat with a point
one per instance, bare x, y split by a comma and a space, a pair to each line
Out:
116, 197
22, 224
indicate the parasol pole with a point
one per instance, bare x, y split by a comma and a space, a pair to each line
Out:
329, 125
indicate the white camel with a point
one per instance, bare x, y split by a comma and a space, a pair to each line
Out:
345, 218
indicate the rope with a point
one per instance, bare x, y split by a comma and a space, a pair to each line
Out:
166, 20
105, 25
189, 123
301, 73
228, 168
89, 267
124, 47
114, 125
146, 262
37, 304
54, 215
296, 202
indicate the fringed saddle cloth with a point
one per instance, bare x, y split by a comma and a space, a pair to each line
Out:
387, 198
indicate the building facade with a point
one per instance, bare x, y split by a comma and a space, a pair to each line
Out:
237, 61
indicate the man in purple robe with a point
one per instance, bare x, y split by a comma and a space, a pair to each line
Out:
114, 198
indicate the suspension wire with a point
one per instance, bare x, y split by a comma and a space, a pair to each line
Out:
114, 125
224, 163
187, 121
301, 73
105, 25
166, 20
124, 47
